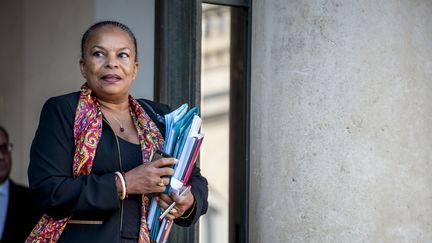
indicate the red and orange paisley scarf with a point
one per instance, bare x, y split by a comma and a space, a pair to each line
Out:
87, 133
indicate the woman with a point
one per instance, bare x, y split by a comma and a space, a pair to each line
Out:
89, 161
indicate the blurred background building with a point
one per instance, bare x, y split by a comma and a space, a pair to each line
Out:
215, 90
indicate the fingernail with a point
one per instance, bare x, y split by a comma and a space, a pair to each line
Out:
157, 198
176, 161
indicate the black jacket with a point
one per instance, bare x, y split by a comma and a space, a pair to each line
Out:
94, 196
21, 215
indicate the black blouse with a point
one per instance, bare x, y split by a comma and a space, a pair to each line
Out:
131, 157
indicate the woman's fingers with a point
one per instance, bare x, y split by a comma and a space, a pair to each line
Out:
165, 181
163, 166
183, 203
161, 184
164, 162
165, 171
150, 177
165, 201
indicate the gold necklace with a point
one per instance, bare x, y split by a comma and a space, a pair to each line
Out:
122, 129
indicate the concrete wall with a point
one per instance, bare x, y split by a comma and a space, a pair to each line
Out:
12, 75
341, 121
40, 58
52, 33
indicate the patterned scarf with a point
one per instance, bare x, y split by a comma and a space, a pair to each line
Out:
87, 133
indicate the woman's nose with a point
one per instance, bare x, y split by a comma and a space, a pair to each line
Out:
111, 61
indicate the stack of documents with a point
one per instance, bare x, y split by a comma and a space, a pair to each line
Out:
182, 141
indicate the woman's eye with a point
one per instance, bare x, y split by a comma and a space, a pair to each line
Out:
123, 55
97, 54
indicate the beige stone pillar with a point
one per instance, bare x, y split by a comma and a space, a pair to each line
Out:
341, 133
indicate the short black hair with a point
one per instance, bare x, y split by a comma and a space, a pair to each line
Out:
101, 24
3, 130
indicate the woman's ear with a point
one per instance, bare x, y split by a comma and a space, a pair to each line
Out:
82, 67
136, 70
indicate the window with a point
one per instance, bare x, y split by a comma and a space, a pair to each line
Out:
215, 110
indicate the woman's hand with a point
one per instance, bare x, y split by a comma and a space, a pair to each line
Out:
150, 177
183, 203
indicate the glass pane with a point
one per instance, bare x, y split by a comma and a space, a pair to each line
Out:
215, 89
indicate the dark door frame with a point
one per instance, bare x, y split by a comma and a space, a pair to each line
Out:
178, 81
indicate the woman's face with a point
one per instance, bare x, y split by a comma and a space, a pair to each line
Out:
109, 64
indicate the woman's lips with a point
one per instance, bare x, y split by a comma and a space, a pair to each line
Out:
111, 78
